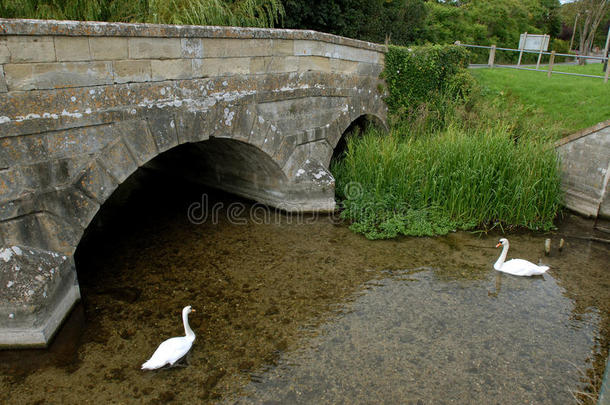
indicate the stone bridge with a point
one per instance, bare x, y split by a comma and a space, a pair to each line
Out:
83, 105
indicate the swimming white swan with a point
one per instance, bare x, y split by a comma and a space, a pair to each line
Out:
172, 349
517, 267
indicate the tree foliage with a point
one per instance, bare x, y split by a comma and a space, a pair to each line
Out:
259, 13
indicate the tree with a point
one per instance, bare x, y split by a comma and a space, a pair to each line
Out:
591, 13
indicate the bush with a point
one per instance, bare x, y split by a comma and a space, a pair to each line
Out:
422, 80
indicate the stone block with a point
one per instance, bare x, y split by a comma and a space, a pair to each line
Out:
3, 86
171, 69
192, 48
31, 49
55, 173
313, 48
42, 76
314, 63
42, 288
195, 126
344, 66
70, 49
77, 141
96, 182
22, 150
5, 55
162, 126
117, 160
130, 70
282, 47
108, 48
12, 184
211, 67
272, 64
140, 142
232, 47
355, 54
154, 48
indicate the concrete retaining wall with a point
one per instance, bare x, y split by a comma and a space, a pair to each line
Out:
585, 162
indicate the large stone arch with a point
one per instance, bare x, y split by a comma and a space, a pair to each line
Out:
83, 105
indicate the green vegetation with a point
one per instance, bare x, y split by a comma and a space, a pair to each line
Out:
556, 106
455, 179
455, 157
250, 13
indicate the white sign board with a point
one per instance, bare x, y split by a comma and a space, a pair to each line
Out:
534, 42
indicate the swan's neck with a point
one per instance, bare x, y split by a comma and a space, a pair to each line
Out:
500, 261
187, 329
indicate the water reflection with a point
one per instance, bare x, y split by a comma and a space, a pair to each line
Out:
411, 337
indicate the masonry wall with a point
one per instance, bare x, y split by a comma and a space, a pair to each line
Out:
585, 160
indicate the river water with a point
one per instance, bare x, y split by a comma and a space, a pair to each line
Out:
302, 310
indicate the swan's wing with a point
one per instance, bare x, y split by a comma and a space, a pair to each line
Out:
520, 267
168, 352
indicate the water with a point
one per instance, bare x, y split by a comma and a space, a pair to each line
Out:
309, 312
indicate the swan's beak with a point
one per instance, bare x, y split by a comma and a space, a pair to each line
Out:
192, 310
499, 244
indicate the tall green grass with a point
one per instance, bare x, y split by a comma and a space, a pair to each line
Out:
457, 179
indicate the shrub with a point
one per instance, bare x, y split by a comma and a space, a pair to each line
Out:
417, 75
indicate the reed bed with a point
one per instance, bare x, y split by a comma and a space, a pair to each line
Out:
392, 184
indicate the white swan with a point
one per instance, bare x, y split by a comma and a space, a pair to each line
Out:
517, 267
172, 349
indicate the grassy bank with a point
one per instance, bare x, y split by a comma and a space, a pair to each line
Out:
458, 156
557, 106
399, 185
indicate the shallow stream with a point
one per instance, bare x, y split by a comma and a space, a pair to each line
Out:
302, 310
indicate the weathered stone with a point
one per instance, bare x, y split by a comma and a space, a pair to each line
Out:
96, 182
108, 48
259, 109
229, 47
56, 75
192, 48
76, 141
139, 140
126, 71
315, 63
211, 67
5, 55
171, 69
3, 86
117, 160
31, 49
39, 289
154, 48
162, 126
70, 49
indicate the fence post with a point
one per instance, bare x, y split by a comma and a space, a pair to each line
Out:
492, 56
540, 53
551, 61
521, 49
607, 70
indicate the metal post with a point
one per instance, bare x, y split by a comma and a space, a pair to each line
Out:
540, 54
521, 49
492, 56
551, 61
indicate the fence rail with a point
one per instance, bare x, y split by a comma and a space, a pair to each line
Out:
492, 55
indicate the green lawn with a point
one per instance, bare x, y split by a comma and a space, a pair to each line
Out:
562, 104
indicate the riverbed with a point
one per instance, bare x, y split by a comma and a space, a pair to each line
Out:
302, 310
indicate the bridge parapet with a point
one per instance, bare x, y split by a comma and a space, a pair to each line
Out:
84, 104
